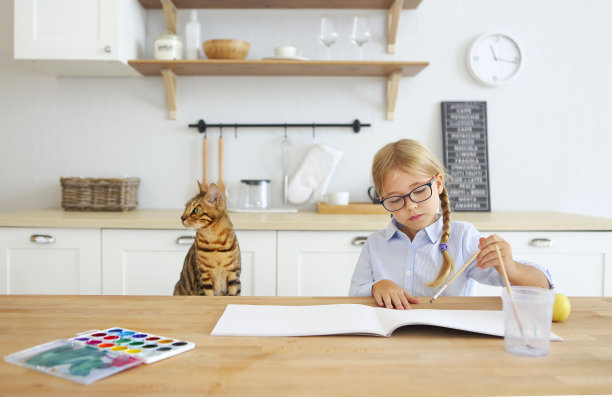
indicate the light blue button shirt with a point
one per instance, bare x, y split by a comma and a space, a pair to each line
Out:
389, 254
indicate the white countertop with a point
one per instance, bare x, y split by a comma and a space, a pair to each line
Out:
304, 220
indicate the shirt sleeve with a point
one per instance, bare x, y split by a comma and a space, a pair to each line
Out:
540, 268
363, 276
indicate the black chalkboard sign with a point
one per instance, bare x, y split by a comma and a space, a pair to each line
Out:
464, 130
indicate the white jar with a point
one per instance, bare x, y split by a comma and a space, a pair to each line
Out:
168, 47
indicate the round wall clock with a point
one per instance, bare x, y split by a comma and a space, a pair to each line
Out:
494, 59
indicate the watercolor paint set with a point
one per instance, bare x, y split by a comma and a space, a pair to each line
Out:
73, 361
96, 354
150, 348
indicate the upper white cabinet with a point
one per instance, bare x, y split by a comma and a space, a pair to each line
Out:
50, 261
80, 37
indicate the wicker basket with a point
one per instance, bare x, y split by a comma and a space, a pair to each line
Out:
99, 194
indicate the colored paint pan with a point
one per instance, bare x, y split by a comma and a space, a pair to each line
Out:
148, 347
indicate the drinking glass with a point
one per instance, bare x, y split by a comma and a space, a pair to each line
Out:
361, 33
328, 35
527, 320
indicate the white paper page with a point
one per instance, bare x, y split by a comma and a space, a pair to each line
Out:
269, 320
489, 322
265, 320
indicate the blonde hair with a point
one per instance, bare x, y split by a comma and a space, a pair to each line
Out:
413, 157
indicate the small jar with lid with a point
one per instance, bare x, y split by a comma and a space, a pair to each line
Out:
168, 47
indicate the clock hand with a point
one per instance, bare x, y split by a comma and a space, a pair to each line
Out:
493, 51
507, 60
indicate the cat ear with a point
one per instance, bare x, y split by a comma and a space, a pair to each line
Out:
203, 188
214, 196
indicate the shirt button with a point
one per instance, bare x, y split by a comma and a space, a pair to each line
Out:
410, 252
408, 273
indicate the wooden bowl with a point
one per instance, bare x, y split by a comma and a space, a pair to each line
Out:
226, 49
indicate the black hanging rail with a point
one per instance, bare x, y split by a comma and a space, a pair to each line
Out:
202, 126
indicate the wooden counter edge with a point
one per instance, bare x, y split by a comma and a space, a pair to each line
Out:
303, 220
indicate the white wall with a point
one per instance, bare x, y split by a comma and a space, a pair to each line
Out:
549, 138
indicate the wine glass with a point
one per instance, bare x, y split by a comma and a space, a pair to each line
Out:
361, 33
328, 35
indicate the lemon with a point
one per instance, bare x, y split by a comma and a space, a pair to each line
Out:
562, 307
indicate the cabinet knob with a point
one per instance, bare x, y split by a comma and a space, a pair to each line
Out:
108, 49
42, 239
359, 241
185, 240
541, 242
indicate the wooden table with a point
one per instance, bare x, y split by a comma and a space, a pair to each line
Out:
416, 360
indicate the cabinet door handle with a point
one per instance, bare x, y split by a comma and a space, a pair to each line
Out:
359, 241
42, 239
185, 240
541, 242
108, 49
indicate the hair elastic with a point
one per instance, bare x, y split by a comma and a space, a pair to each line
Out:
443, 247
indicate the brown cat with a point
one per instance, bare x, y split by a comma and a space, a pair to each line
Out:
212, 265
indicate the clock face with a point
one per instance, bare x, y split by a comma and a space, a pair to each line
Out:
494, 59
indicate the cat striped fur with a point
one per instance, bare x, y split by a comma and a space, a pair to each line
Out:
212, 265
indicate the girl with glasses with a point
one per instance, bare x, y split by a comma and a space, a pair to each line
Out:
416, 253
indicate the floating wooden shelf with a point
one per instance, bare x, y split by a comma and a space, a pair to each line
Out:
274, 67
392, 70
394, 7
339, 4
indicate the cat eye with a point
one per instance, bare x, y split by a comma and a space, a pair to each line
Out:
196, 211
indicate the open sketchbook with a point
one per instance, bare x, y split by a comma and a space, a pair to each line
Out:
261, 320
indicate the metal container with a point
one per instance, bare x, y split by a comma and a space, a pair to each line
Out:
255, 193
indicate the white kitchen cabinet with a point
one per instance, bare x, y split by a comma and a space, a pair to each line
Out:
149, 262
50, 261
317, 263
577, 261
80, 37
93, 254
321, 263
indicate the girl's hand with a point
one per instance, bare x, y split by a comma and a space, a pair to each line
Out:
390, 295
488, 255
518, 273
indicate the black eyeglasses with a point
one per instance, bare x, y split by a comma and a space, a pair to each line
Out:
416, 195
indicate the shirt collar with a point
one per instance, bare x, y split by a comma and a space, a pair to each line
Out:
392, 229
433, 231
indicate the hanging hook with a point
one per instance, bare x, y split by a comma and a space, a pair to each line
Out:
313, 132
220, 130
235, 131
285, 131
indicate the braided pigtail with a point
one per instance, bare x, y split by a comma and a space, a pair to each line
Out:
447, 265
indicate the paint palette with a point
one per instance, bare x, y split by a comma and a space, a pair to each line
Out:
148, 347
94, 355
78, 363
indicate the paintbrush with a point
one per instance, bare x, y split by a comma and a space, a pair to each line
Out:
454, 277
512, 302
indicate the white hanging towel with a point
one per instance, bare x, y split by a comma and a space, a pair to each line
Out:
314, 174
